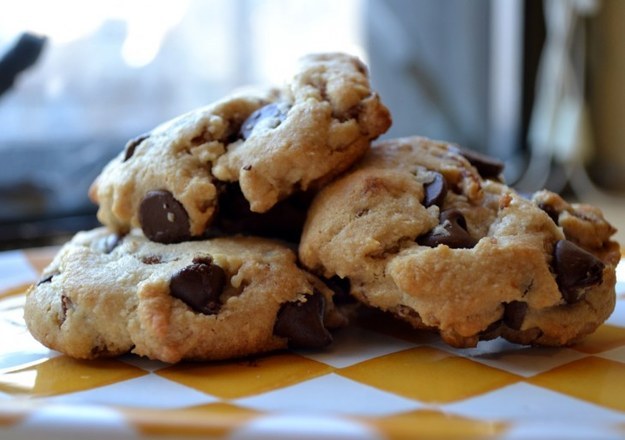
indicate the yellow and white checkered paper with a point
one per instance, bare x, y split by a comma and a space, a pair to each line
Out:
377, 381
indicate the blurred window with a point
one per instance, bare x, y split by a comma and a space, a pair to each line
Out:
78, 79
110, 70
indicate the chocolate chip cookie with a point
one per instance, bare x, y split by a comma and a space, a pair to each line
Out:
271, 144
429, 232
106, 295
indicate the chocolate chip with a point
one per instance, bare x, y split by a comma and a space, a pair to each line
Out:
273, 113
302, 323
151, 259
435, 191
341, 288
487, 166
163, 218
285, 220
362, 212
492, 331
48, 278
576, 269
452, 232
514, 314
199, 286
551, 212
132, 145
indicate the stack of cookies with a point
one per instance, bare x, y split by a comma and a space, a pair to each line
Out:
242, 227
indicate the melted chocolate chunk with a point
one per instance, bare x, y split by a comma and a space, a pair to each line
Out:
163, 218
302, 323
132, 145
454, 232
551, 212
488, 167
274, 114
199, 286
435, 191
341, 288
285, 220
576, 270
491, 331
514, 314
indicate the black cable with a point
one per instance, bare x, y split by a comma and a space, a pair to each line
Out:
24, 53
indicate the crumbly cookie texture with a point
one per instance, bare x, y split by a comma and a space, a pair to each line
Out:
427, 231
105, 295
162, 180
322, 124
271, 143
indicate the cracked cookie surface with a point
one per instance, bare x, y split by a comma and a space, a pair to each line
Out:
105, 295
428, 231
271, 144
